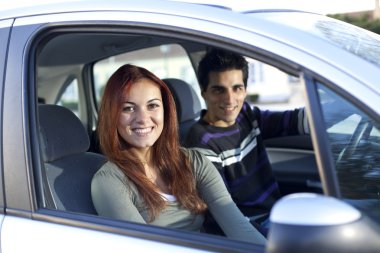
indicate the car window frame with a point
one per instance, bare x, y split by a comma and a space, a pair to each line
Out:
195, 240
5, 30
110, 225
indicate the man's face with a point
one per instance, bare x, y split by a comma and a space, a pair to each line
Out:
224, 97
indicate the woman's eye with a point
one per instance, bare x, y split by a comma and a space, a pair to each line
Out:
153, 106
128, 109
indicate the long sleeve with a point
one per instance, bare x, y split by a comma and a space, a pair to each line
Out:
112, 197
282, 123
224, 210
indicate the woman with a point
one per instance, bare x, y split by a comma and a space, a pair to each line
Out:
149, 178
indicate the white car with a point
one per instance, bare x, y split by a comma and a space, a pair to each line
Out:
62, 54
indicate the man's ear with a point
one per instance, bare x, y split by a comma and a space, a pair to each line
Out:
246, 93
203, 94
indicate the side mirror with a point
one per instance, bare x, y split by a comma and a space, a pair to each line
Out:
308, 222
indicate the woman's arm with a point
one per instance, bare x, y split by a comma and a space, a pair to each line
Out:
212, 189
112, 197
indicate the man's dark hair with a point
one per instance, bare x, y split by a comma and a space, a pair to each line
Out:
219, 60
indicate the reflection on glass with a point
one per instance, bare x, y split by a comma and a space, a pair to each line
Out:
355, 144
353, 39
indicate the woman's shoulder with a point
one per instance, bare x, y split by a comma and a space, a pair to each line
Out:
197, 159
193, 153
110, 170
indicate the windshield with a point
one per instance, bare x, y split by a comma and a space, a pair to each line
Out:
353, 39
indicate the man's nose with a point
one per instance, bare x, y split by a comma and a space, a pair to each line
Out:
229, 96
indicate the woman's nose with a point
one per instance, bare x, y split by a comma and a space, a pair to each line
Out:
142, 116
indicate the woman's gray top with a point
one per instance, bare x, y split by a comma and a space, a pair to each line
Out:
115, 196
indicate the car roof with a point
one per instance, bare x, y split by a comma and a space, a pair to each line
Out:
42, 7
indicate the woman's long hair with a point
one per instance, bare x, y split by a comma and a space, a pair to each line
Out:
173, 165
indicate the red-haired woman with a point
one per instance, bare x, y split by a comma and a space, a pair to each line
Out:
149, 178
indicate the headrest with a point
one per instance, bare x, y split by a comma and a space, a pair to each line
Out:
61, 132
187, 101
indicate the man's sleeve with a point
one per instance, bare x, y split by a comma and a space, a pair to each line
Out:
283, 123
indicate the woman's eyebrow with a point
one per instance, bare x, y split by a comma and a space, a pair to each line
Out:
149, 101
154, 99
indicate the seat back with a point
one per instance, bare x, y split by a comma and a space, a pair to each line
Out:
69, 167
187, 103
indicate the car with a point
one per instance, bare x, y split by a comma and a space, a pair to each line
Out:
56, 58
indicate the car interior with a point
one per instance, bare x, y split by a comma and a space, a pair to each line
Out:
64, 149
71, 71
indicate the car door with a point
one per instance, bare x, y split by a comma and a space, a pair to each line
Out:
28, 218
36, 230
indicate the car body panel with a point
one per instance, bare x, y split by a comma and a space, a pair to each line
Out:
38, 236
4, 36
16, 135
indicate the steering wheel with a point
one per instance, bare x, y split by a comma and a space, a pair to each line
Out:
361, 132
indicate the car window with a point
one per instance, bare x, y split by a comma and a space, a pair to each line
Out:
271, 88
165, 61
67, 78
267, 86
69, 98
355, 144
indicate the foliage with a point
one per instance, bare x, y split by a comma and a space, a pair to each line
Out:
364, 21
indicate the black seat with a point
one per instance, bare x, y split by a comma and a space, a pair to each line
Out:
69, 167
187, 103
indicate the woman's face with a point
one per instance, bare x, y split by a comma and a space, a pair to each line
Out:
142, 117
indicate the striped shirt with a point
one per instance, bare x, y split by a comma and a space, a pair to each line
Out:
239, 154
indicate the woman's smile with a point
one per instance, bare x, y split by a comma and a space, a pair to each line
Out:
143, 131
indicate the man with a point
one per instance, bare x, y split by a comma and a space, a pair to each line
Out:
230, 133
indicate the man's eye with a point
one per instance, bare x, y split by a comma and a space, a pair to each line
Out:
218, 90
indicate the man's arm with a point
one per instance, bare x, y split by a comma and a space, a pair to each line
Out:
283, 123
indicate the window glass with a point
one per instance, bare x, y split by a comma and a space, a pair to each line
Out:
70, 97
270, 88
165, 61
355, 142
351, 38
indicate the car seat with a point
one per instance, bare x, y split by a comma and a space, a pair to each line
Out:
187, 103
69, 168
